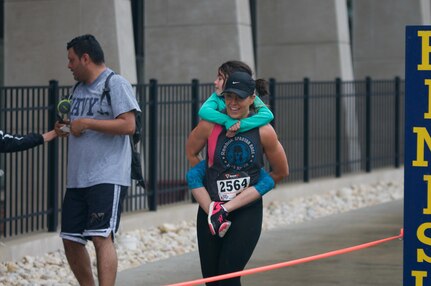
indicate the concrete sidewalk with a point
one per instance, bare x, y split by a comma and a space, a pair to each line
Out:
379, 265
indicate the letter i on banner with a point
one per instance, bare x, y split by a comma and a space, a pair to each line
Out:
417, 152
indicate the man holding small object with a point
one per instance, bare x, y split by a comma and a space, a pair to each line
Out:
99, 160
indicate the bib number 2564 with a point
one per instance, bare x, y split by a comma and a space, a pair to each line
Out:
229, 188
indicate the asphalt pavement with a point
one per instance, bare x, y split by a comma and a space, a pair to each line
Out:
378, 265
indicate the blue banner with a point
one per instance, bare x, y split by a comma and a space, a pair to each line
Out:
417, 163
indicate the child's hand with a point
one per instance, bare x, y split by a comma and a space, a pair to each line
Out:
233, 129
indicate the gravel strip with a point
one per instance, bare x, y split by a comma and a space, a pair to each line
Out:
146, 245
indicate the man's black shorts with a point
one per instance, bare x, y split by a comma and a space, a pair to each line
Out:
92, 211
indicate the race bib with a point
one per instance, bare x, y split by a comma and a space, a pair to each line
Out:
230, 185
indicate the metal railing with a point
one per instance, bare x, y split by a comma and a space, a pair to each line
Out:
327, 129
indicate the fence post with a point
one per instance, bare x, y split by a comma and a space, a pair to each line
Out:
195, 110
272, 96
306, 130
368, 83
337, 127
397, 122
53, 164
153, 166
195, 103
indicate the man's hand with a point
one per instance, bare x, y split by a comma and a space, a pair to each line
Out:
60, 128
78, 126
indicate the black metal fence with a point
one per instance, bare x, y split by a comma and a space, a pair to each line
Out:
326, 128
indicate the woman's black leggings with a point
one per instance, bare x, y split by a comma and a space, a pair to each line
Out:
232, 252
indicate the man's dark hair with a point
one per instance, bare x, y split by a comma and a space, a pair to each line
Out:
87, 44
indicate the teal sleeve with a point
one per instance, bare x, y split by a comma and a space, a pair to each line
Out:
210, 111
262, 117
195, 175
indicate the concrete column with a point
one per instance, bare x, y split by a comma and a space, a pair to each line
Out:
297, 39
191, 38
379, 35
36, 33
307, 38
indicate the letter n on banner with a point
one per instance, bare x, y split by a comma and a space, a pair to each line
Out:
417, 161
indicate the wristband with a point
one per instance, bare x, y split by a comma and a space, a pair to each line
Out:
195, 175
265, 182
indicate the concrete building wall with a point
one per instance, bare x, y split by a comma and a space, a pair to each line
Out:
36, 33
190, 38
379, 35
297, 39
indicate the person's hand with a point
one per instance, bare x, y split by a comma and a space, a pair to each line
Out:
48, 136
78, 126
231, 132
61, 128
217, 221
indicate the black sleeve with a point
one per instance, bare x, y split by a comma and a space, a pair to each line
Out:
14, 143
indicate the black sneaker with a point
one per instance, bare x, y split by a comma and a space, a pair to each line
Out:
217, 219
